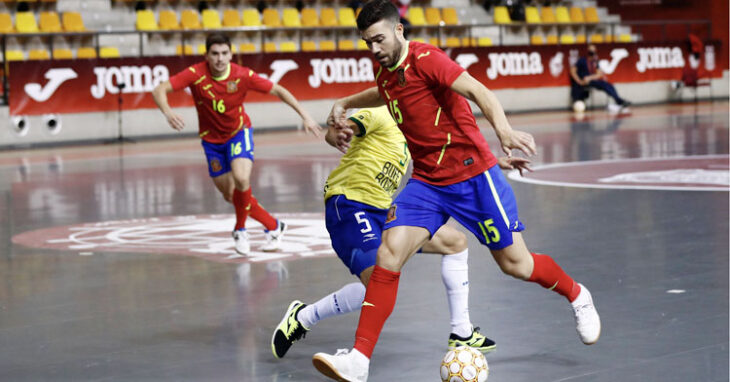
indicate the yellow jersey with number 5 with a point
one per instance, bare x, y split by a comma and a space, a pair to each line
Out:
375, 163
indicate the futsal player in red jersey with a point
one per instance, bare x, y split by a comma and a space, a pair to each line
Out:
219, 88
454, 175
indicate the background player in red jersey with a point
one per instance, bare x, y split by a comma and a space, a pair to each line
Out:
454, 175
219, 89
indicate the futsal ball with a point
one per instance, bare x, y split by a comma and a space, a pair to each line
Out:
464, 364
579, 106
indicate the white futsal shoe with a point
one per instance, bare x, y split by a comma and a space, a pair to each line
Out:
243, 247
273, 237
587, 321
345, 365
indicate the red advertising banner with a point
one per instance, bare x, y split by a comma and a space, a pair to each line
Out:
77, 86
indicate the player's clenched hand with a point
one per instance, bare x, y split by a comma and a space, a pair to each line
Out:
514, 163
311, 126
520, 140
175, 121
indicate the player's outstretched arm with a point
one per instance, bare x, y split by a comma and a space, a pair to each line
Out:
366, 98
469, 87
160, 96
285, 96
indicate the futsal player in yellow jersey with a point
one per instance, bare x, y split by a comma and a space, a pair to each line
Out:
357, 195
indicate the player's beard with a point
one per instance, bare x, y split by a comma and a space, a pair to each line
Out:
395, 56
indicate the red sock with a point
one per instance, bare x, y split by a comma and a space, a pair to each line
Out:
549, 274
242, 204
377, 306
261, 215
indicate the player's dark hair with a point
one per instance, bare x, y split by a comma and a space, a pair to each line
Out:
376, 10
216, 38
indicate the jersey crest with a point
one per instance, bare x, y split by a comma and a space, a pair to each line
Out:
232, 86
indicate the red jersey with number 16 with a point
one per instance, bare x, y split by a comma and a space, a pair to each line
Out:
219, 101
442, 134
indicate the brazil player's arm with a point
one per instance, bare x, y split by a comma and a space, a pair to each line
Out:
160, 96
470, 88
285, 96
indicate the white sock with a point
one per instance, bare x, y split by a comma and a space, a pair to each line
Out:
345, 300
455, 275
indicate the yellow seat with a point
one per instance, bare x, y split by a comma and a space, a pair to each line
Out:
419, 39
231, 18
290, 18
180, 50
580, 38
62, 54
576, 15
86, 52
416, 16
108, 52
25, 22
551, 39
14, 55
434, 41
146, 20
361, 45
271, 18
72, 22
532, 15
251, 17
547, 15
346, 17
168, 20
190, 19
38, 54
50, 22
450, 16
537, 39
452, 42
247, 47
484, 41
567, 39
501, 15
624, 37
562, 15
609, 38
328, 17
270, 47
591, 14
327, 45
345, 45
468, 41
309, 46
433, 16
288, 46
201, 49
310, 17
6, 23
211, 19
596, 38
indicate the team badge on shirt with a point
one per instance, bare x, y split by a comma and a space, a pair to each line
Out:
391, 213
232, 86
401, 77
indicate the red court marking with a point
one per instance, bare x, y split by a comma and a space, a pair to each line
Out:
696, 173
204, 236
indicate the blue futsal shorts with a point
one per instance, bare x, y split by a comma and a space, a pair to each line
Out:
220, 156
484, 204
355, 230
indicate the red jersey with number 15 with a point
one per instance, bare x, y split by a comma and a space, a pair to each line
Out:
442, 134
219, 101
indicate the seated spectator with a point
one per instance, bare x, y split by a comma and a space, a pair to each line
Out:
585, 73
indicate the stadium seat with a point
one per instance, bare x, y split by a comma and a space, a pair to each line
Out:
580, 38
247, 47
551, 39
433, 16
288, 46
624, 37
211, 19
327, 45
14, 55
328, 17
231, 18
419, 39
62, 54
251, 17
72, 22
452, 42
345, 45
537, 39
271, 18
361, 45
38, 54
6, 23
190, 19
450, 16
310, 17
201, 49
416, 16
108, 52
347, 17
25, 22
270, 47
609, 38
468, 41
50, 22
547, 15
501, 15
168, 20
146, 20
532, 15
86, 52
576, 15
484, 41
562, 15
309, 46
434, 41
567, 39
180, 50
596, 38
592, 15
290, 18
